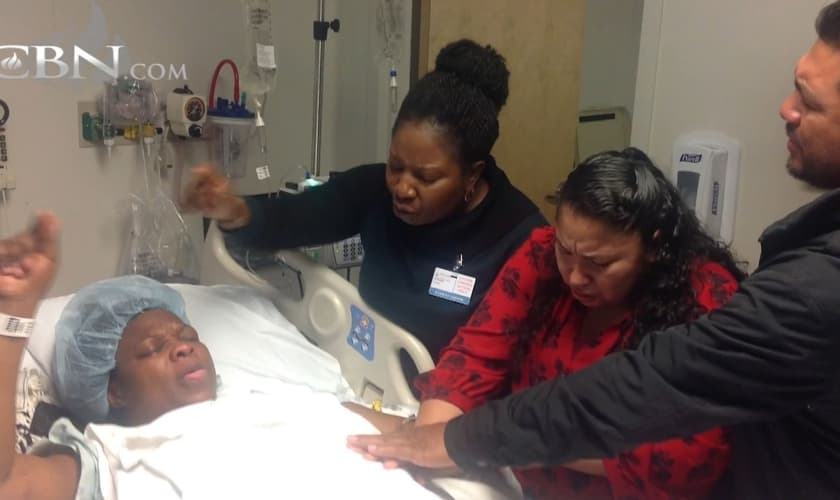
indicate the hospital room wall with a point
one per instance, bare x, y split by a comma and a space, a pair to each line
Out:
86, 190
726, 66
358, 103
611, 31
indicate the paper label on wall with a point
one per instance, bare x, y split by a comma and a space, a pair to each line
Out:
452, 286
263, 173
265, 56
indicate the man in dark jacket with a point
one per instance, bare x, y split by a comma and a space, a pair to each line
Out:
767, 364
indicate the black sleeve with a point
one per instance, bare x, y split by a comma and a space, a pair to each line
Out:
324, 214
765, 354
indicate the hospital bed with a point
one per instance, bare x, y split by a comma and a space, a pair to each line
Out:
328, 310
277, 412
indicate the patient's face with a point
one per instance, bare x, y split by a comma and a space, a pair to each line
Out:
161, 366
600, 264
426, 181
812, 118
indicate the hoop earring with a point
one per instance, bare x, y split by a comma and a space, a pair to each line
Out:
468, 195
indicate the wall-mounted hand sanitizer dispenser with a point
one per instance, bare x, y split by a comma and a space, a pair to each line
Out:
705, 170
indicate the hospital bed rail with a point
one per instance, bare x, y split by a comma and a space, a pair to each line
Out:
329, 311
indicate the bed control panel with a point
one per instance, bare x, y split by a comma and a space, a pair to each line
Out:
349, 252
362, 335
340, 255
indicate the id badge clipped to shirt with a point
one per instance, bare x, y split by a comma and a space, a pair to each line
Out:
452, 286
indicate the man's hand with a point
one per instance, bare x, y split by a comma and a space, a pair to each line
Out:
421, 445
28, 263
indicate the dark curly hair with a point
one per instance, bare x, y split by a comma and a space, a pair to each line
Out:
626, 191
462, 96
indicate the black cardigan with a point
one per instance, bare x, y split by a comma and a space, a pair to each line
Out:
399, 258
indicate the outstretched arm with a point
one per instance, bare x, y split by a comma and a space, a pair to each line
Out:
720, 370
328, 213
28, 263
767, 353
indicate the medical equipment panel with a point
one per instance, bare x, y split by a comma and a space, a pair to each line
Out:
340, 255
186, 112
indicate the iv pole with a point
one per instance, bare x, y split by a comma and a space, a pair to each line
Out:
320, 29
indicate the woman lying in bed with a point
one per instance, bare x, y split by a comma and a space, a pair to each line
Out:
127, 362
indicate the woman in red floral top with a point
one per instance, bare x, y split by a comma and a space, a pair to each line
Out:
625, 257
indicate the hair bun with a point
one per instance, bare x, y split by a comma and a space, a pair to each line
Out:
475, 65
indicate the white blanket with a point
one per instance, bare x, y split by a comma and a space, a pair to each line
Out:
288, 444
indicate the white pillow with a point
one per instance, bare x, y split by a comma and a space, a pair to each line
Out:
250, 341
253, 344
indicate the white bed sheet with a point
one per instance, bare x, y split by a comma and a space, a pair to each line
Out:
286, 444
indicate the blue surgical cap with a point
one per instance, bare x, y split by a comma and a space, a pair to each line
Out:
89, 331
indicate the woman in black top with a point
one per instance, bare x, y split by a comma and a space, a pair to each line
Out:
440, 208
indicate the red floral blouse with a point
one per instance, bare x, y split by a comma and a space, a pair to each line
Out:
526, 331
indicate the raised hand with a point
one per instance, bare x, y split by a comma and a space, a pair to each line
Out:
28, 263
211, 194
